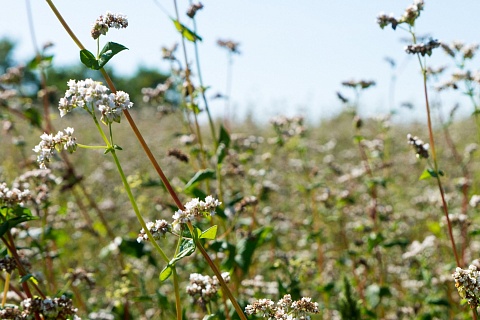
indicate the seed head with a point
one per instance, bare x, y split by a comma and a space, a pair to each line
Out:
110, 20
192, 11
423, 48
420, 147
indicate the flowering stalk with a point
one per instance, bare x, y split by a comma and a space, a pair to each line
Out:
420, 50
157, 168
215, 270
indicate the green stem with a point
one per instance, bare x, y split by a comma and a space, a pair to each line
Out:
200, 79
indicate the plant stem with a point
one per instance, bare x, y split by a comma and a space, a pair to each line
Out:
435, 164
215, 270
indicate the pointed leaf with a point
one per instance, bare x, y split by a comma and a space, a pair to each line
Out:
200, 176
186, 33
27, 277
224, 136
108, 52
88, 59
425, 175
210, 233
36, 62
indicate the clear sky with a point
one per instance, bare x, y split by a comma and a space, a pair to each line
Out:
294, 54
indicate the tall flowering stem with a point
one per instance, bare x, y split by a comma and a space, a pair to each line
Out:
157, 168
435, 164
421, 50
215, 270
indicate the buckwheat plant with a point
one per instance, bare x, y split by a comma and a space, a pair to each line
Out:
94, 98
422, 51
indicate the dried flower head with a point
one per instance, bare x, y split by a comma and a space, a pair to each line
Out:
384, 20
169, 53
178, 154
358, 84
467, 282
423, 48
420, 147
110, 20
192, 11
46, 148
89, 94
229, 45
412, 12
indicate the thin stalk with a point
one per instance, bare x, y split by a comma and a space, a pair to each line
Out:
5, 289
202, 91
129, 191
215, 270
126, 113
435, 164
228, 92
190, 91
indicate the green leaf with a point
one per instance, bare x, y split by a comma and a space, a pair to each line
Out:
37, 62
374, 240
28, 277
187, 247
88, 59
166, 273
200, 176
14, 216
34, 117
108, 52
210, 233
358, 139
246, 247
427, 173
117, 147
186, 33
224, 136
223, 144
210, 317
401, 242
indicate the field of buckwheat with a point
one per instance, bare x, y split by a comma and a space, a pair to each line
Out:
121, 204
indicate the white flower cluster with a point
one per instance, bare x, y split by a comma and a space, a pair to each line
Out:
467, 282
110, 20
50, 143
13, 197
284, 309
204, 288
56, 308
416, 248
90, 94
193, 209
158, 229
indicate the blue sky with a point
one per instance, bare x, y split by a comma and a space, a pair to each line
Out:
294, 55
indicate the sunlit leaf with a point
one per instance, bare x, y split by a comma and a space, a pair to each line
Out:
29, 277
108, 52
210, 233
186, 32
